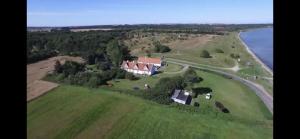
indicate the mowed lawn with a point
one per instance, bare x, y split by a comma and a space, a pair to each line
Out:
78, 112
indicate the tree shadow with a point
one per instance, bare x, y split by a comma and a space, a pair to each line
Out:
225, 110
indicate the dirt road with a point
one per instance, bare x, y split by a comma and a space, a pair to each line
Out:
36, 71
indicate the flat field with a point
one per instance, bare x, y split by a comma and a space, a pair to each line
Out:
77, 112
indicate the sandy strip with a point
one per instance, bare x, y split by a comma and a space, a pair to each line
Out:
255, 57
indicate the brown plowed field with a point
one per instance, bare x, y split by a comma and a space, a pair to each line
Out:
36, 71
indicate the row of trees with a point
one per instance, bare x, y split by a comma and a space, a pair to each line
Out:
77, 74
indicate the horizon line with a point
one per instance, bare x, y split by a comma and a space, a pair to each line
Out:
57, 26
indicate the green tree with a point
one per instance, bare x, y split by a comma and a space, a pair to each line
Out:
57, 67
114, 52
190, 76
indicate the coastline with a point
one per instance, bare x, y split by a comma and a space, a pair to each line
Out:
254, 56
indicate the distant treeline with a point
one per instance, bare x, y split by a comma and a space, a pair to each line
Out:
201, 28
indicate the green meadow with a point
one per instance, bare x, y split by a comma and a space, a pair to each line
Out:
79, 112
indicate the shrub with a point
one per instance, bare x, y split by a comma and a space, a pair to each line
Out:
57, 67
235, 56
120, 74
103, 65
221, 107
93, 82
167, 84
59, 77
159, 48
205, 54
201, 90
196, 104
219, 50
191, 76
130, 76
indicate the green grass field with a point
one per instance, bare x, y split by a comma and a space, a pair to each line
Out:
172, 68
77, 112
190, 49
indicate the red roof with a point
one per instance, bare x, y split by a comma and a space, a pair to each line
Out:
149, 60
136, 66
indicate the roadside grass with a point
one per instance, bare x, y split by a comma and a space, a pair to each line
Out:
172, 67
78, 112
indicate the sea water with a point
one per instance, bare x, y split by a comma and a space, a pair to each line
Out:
260, 42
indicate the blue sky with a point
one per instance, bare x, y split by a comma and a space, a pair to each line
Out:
103, 12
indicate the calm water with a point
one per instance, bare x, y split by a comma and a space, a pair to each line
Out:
260, 41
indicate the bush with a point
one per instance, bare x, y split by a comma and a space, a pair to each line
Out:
59, 77
120, 74
196, 104
221, 107
167, 84
205, 54
235, 56
191, 76
103, 65
130, 76
201, 90
219, 50
93, 82
159, 48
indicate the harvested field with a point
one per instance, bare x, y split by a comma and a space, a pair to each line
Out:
36, 71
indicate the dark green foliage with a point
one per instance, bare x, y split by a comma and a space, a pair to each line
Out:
71, 68
39, 55
219, 50
103, 65
114, 52
120, 74
221, 107
190, 76
200, 90
42, 45
159, 48
130, 76
196, 104
235, 56
93, 82
57, 67
167, 84
205, 54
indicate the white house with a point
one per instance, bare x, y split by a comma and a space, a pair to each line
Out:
180, 96
138, 68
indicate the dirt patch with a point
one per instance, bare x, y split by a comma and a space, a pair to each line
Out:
191, 42
36, 71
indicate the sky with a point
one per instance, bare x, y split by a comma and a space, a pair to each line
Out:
107, 12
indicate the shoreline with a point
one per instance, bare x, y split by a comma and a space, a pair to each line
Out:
254, 56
